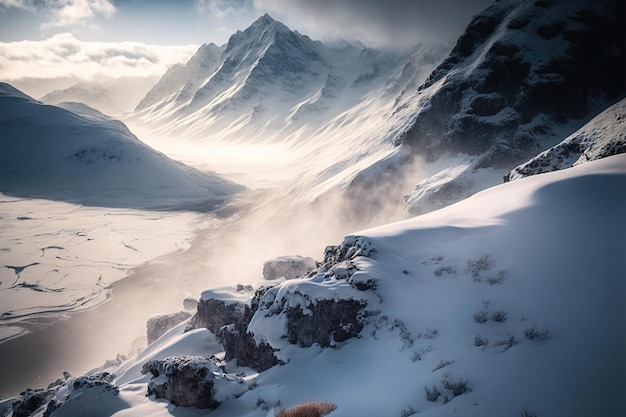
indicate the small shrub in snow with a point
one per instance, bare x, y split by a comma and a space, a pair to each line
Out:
442, 364
450, 270
480, 341
476, 266
432, 393
507, 342
481, 316
408, 411
437, 258
455, 387
417, 354
428, 334
499, 316
535, 333
309, 409
526, 413
497, 279
253, 384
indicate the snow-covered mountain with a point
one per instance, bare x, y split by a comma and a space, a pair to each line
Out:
494, 306
523, 76
603, 136
184, 79
108, 96
75, 152
266, 79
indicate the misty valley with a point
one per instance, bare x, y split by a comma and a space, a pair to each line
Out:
281, 226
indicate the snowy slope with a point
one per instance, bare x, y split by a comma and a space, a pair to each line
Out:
499, 296
523, 76
79, 154
603, 136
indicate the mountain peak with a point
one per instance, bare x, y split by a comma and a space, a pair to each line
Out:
267, 22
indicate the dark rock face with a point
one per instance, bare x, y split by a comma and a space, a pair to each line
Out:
350, 248
196, 381
328, 321
158, 325
30, 401
214, 313
514, 93
602, 137
229, 321
240, 344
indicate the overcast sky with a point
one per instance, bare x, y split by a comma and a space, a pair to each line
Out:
130, 36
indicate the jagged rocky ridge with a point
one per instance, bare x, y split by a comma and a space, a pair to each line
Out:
603, 136
524, 75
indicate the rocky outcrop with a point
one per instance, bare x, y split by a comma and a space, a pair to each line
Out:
523, 76
325, 322
501, 92
87, 389
192, 381
288, 267
350, 248
603, 136
30, 401
228, 315
158, 325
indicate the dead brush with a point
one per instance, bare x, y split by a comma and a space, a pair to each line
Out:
308, 409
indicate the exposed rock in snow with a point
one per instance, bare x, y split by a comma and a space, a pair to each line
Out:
190, 303
93, 395
196, 381
30, 401
227, 314
603, 136
158, 325
288, 267
324, 322
524, 75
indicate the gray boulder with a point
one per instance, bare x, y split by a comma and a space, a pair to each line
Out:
288, 267
158, 325
192, 381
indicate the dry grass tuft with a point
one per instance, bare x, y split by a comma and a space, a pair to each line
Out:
309, 409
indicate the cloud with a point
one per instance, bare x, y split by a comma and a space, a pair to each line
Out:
64, 13
223, 8
16, 4
63, 54
382, 22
